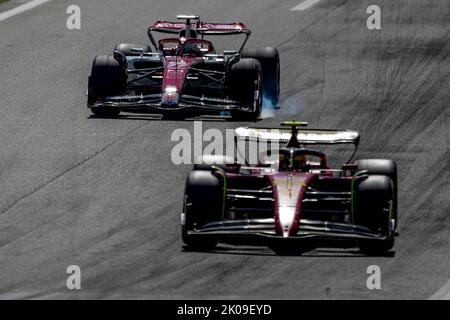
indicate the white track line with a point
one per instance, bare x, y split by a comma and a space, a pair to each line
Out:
304, 5
22, 8
443, 293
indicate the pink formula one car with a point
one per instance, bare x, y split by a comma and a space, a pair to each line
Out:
184, 74
302, 204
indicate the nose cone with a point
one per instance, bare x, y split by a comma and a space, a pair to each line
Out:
286, 217
289, 189
170, 96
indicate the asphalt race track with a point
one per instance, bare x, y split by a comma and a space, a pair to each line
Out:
103, 193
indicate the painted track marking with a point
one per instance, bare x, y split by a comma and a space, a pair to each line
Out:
443, 293
304, 5
22, 8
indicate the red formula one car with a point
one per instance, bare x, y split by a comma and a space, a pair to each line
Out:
301, 205
184, 74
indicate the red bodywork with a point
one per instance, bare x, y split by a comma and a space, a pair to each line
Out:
177, 63
175, 71
288, 190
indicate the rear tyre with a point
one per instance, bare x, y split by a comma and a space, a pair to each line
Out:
202, 204
269, 58
246, 86
107, 79
373, 208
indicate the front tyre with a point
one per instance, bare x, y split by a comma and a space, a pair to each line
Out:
107, 79
269, 59
202, 204
373, 208
384, 167
246, 86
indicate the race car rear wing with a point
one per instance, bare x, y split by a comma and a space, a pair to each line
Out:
296, 137
303, 136
193, 23
201, 27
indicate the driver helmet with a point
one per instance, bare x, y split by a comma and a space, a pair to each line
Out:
192, 49
283, 162
299, 161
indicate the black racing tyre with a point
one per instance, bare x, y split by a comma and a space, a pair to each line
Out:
269, 58
373, 203
107, 79
245, 85
203, 203
125, 48
384, 167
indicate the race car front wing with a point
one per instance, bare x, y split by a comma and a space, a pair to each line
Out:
152, 103
264, 229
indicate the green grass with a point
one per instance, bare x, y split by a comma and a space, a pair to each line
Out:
1, 1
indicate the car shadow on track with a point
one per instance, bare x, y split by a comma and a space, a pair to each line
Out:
147, 117
264, 251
